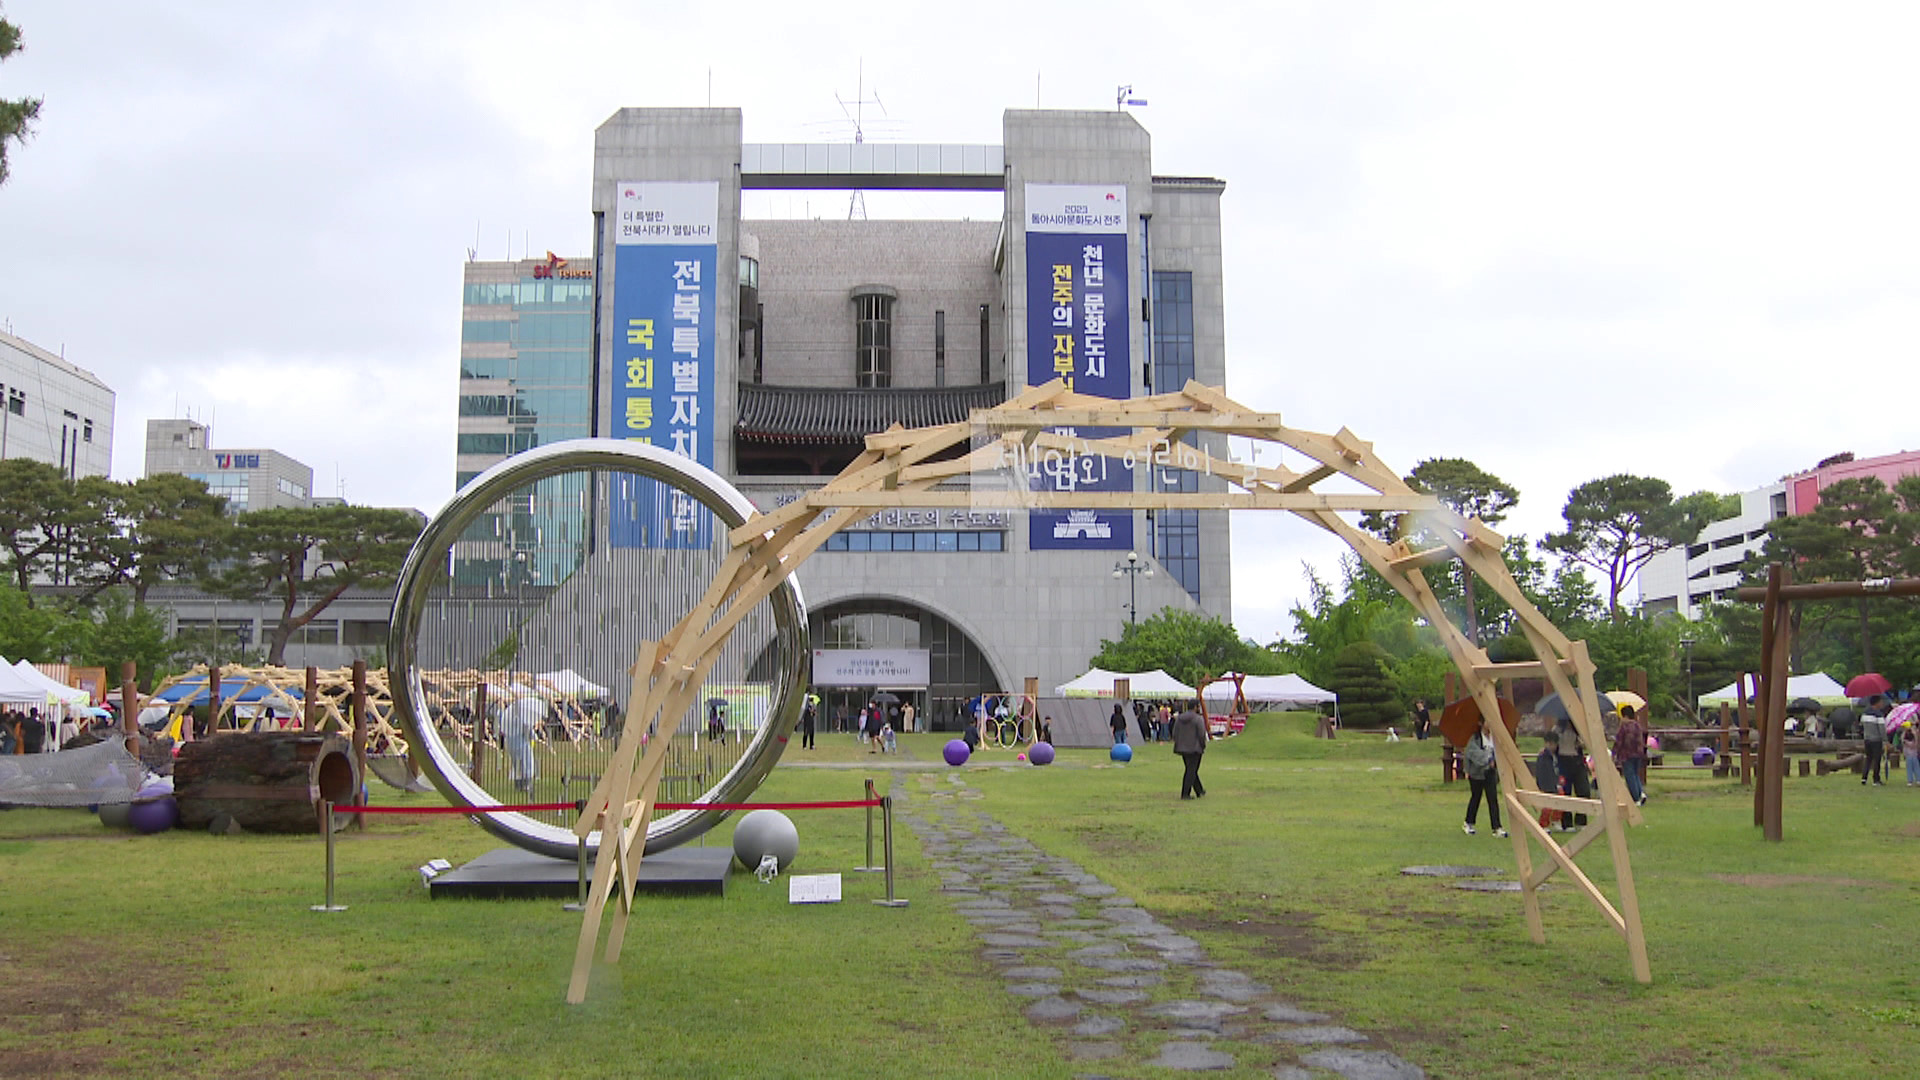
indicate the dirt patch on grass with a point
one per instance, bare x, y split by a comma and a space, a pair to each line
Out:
1911, 828
1287, 935
53, 990
1781, 881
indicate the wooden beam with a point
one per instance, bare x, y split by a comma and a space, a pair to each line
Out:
1112, 500
1002, 420
1832, 590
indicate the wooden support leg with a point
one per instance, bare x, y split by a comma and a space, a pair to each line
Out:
1523, 867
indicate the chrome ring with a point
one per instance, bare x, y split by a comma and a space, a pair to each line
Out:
429, 558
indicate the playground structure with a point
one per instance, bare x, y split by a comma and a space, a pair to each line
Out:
310, 699
1234, 720
1000, 452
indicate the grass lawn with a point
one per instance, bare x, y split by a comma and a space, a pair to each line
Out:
187, 954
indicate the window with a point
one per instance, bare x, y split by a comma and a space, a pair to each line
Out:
471, 443
915, 540
483, 404
17, 402
499, 330
986, 376
873, 340
749, 272
939, 348
1176, 539
88, 431
288, 487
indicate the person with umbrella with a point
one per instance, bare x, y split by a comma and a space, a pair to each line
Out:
1873, 732
1903, 720
1572, 754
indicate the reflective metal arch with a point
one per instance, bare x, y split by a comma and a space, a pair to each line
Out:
429, 558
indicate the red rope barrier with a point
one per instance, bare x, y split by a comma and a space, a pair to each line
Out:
525, 808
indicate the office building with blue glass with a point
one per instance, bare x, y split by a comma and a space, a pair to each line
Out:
769, 350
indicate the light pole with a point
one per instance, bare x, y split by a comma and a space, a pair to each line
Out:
1686, 648
1132, 569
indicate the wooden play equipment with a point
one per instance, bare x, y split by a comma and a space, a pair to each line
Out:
998, 450
1234, 721
1776, 646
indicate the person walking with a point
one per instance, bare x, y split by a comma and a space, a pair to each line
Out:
1910, 750
1422, 719
1573, 770
1118, 722
1483, 777
806, 725
1630, 753
1140, 713
1873, 731
1546, 771
906, 718
1190, 742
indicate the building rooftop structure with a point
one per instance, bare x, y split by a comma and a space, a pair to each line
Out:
53, 411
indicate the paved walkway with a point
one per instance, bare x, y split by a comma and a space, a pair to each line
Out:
1124, 986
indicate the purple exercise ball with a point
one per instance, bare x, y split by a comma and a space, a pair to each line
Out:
1703, 755
154, 815
956, 752
1040, 753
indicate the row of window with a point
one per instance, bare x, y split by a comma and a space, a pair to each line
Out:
562, 366
928, 540
577, 291
573, 328
1176, 533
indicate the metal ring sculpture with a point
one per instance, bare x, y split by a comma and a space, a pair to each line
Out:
430, 556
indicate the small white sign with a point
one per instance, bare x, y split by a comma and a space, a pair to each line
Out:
813, 889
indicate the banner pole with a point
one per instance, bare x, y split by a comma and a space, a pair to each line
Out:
869, 868
886, 818
326, 826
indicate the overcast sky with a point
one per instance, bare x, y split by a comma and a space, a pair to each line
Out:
1679, 240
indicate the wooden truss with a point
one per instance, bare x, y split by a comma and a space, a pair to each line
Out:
985, 462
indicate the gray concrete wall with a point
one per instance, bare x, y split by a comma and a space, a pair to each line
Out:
807, 272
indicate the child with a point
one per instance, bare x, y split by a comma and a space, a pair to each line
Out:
887, 743
1910, 747
1546, 770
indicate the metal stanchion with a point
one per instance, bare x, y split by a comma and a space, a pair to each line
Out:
580, 856
886, 819
326, 826
869, 868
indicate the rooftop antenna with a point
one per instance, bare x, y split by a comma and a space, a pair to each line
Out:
857, 203
1123, 97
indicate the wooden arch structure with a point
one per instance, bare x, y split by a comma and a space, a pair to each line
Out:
996, 450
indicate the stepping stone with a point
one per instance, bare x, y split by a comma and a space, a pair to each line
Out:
1200, 1014
1315, 1034
1077, 937
1231, 986
1191, 1057
1365, 1064
1030, 971
1055, 898
1172, 943
1131, 915
1110, 948
1033, 989
1082, 924
1116, 901
1288, 1014
1053, 1010
1096, 889
1093, 1051
1113, 997
1099, 1025
1494, 886
1123, 963
1131, 982
1014, 941
1292, 1072
1450, 871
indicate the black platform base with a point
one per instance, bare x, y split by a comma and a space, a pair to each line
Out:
511, 872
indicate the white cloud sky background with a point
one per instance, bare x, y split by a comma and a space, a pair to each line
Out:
1676, 240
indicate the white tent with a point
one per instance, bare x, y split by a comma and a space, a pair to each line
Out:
570, 683
69, 696
17, 689
1098, 682
1271, 690
1818, 686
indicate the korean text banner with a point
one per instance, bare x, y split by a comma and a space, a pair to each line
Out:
665, 261
1077, 330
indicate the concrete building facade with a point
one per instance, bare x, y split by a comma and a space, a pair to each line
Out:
252, 478
805, 336
53, 411
1683, 579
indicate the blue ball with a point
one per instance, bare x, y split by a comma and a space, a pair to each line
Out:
1121, 752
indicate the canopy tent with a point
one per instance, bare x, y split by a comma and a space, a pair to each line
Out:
69, 696
569, 683
1098, 682
17, 689
193, 691
1818, 686
1271, 690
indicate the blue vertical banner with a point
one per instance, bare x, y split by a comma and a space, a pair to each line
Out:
664, 289
1078, 330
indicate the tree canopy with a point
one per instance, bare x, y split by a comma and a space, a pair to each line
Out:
1616, 524
16, 115
1187, 645
305, 558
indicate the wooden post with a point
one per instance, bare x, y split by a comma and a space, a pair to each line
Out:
1726, 727
1637, 682
1448, 695
129, 697
1775, 739
213, 695
360, 737
312, 702
1740, 717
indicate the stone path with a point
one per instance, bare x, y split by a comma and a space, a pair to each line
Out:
1122, 985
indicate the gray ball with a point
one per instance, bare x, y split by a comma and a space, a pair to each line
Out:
116, 815
762, 833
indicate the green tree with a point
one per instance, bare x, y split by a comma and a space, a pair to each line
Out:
17, 115
40, 513
1859, 531
1363, 677
28, 632
117, 630
165, 527
306, 558
1186, 645
1471, 492
1617, 523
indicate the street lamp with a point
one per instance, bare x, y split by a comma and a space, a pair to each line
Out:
1686, 648
1132, 569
